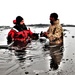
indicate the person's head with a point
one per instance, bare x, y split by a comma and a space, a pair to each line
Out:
19, 20
53, 17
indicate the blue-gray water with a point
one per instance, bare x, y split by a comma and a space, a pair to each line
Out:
36, 59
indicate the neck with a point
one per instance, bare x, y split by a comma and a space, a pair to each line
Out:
54, 22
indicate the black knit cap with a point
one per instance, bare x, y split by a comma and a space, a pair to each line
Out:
18, 19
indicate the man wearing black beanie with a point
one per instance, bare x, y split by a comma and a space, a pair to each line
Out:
20, 26
19, 32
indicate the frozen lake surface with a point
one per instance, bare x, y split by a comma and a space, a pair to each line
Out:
36, 59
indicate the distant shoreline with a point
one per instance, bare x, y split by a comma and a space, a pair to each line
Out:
36, 25
67, 25
40, 25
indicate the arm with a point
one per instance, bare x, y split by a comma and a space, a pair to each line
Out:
45, 34
10, 36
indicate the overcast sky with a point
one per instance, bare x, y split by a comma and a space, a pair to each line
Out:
36, 11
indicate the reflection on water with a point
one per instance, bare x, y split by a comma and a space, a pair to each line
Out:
35, 60
20, 55
56, 54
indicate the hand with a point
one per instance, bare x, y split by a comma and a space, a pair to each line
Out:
51, 38
45, 33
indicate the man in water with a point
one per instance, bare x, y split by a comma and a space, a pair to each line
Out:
55, 31
55, 36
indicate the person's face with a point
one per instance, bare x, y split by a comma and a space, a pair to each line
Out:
22, 22
51, 18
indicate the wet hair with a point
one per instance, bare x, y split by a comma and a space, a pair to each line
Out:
54, 15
